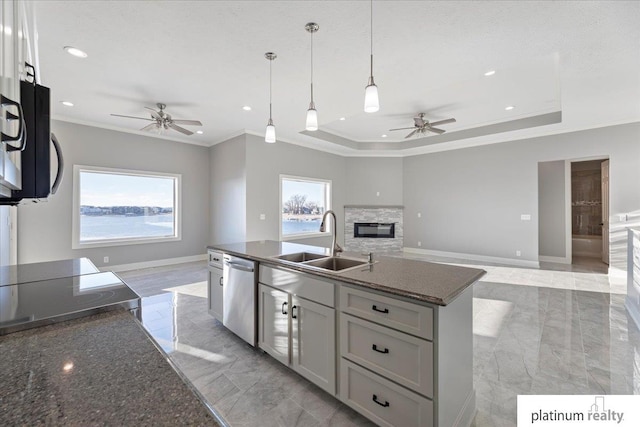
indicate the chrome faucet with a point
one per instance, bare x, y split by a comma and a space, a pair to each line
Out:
334, 246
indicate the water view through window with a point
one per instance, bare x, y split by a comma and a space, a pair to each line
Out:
304, 201
121, 206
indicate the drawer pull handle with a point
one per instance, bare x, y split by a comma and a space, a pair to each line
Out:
375, 348
293, 316
385, 404
283, 304
375, 308
221, 281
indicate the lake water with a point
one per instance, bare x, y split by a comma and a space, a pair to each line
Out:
121, 226
295, 227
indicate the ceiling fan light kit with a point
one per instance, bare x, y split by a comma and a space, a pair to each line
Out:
371, 101
312, 113
421, 126
270, 133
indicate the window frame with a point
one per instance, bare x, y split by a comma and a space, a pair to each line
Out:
75, 229
328, 196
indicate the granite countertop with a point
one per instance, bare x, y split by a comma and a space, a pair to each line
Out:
419, 280
98, 370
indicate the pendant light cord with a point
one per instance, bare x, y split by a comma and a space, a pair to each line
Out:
311, 66
270, 61
371, 29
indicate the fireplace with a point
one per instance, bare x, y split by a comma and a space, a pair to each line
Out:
376, 230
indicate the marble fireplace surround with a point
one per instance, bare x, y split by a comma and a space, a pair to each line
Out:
373, 213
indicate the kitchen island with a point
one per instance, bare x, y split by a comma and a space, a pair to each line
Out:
390, 338
72, 352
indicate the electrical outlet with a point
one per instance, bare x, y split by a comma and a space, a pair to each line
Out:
518, 253
419, 215
377, 194
263, 217
106, 260
419, 243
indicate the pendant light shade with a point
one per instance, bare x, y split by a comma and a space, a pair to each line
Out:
312, 118
371, 101
270, 133
312, 113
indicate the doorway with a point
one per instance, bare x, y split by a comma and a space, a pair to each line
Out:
590, 213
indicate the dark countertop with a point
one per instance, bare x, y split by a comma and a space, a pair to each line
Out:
419, 280
98, 370
26, 273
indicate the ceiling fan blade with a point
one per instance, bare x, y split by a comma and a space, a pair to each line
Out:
179, 129
443, 122
187, 122
151, 126
436, 130
154, 113
411, 134
132, 117
413, 127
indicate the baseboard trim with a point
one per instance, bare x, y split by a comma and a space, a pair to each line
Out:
472, 257
554, 259
155, 263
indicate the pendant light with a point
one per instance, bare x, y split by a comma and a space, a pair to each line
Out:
371, 102
270, 134
312, 114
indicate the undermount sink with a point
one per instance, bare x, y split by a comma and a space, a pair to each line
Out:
336, 263
301, 257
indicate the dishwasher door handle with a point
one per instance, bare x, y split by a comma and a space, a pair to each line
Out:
238, 266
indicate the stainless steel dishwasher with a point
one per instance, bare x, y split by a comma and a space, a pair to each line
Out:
239, 296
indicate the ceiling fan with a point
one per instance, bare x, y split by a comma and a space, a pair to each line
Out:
422, 126
163, 121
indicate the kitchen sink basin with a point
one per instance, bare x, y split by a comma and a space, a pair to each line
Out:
336, 264
301, 257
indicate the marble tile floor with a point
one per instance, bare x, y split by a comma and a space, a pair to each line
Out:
531, 336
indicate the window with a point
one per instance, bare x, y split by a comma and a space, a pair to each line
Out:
116, 207
303, 201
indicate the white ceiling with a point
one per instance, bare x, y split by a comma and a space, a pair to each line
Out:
205, 60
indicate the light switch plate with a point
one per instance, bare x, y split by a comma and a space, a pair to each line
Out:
525, 217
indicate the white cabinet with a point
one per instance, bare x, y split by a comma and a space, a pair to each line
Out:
273, 323
313, 346
215, 285
296, 331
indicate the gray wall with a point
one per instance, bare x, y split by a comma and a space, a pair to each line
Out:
245, 183
228, 191
44, 229
552, 209
368, 175
471, 199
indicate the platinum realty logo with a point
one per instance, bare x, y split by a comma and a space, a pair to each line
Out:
582, 410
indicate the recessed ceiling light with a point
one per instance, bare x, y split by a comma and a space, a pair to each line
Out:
490, 73
342, 119
509, 107
384, 135
199, 132
246, 108
75, 52
67, 103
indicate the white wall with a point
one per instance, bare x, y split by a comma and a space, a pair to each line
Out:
366, 176
471, 199
44, 229
552, 209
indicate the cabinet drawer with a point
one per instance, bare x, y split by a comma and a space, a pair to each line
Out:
214, 258
300, 284
380, 400
404, 316
397, 356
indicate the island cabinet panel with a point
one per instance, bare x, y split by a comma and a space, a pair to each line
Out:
411, 318
300, 284
214, 294
382, 401
399, 357
313, 345
273, 324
